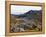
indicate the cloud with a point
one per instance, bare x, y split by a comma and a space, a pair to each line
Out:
17, 10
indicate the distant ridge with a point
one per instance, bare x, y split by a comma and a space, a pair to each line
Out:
31, 12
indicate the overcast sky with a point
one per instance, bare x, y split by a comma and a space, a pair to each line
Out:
17, 10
